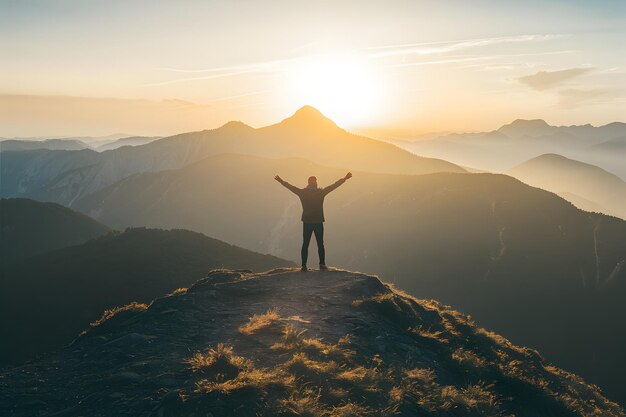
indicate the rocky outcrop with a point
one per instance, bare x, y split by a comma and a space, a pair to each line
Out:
285, 342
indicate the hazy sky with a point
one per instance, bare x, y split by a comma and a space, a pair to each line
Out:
162, 67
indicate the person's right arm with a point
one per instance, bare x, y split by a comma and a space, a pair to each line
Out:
337, 183
288, 186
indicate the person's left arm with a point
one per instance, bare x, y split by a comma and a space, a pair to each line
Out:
337, 183
288, 186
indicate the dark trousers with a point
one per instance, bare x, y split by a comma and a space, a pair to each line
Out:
307, 230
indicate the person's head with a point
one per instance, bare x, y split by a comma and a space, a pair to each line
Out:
312, 181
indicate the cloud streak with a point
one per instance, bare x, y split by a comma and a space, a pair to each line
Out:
545, 80
440, 47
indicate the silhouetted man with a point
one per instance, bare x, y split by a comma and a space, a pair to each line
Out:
312, 199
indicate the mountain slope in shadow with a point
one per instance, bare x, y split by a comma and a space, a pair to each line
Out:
45, 300
286, 343
29, 227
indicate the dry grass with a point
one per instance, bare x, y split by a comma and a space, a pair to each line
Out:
251, 378
360, 375
350, 410
293, 338
344, 340
500, 341
303, 402
436, 335
177, 291
421, 375
134, 307
260, 321
468, 359
378, 298
220, 362
312, 378
303, 366
473, 397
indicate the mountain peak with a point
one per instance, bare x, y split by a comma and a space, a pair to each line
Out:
285, 342
236, 125
526, 127
529, 123
310, 117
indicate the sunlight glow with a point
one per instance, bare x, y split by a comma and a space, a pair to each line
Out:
346, 90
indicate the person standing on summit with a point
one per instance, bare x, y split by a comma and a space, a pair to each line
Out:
312, 199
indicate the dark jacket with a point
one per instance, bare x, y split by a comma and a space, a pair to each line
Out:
312, 200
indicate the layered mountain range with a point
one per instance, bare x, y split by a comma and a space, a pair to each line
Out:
584, 164
523, 261
63, 177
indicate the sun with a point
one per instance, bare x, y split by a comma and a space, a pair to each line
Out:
345, 90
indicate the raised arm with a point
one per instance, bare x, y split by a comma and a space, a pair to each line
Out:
288, 186
337, 183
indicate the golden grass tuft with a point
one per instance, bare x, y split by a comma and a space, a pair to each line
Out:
177, 291
300, 364
360, 374
350, 410
471, 397
468, 358
304, 402
422, 375
220, 362
429, 334
378, 298
260, 321
134, 306
344, 340
292, 336
248, 379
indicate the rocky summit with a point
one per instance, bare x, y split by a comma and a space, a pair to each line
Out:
290, 343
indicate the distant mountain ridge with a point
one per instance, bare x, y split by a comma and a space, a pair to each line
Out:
128, 141
520, 140
65, 177
50, 144
71, 144
287, 343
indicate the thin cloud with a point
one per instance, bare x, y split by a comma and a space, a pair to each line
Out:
544, 80
470, 58
429, 48
436, 62
376, 52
